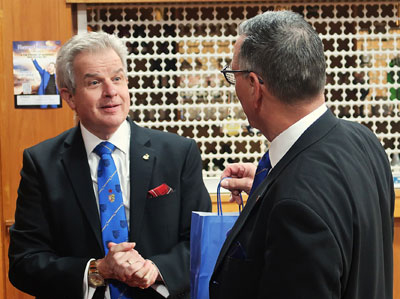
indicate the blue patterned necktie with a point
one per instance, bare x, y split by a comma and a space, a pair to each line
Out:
112, 211
264, 166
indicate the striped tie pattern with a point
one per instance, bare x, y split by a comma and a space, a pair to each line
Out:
112, 212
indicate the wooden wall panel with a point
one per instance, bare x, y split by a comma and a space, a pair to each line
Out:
2, 225
24, 20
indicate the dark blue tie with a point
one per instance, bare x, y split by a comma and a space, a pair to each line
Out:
264, 166
112, 211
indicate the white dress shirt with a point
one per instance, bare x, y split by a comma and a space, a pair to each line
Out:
121, 140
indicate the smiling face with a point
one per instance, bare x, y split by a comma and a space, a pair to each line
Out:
101, 98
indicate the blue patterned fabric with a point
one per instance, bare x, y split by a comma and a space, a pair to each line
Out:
112, 211
264, 166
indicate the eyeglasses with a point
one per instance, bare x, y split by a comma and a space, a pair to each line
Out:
229, 74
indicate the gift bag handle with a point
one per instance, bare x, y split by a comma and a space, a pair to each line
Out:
219, 201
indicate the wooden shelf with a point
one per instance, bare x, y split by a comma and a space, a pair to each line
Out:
157, 1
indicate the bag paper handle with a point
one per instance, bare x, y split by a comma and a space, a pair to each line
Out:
219, 201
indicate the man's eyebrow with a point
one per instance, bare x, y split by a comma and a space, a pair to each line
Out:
91, 75
120, 70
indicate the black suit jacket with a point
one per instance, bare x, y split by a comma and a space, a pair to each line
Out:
57, 226
320, 225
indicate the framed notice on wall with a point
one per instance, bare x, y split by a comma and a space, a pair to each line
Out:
34, 74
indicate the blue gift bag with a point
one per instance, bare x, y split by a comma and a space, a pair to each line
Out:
207, 235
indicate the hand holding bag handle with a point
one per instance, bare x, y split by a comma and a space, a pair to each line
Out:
219, 201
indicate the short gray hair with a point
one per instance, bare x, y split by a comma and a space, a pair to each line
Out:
92, 42
286, 52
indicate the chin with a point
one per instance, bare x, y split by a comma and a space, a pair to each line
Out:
117, 122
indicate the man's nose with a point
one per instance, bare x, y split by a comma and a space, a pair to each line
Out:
109, 89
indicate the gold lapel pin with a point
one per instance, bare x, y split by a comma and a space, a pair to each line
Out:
146, 157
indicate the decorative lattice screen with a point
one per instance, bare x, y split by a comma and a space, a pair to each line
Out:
177, 51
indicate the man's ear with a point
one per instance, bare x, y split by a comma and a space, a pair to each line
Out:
67, 96
256, 89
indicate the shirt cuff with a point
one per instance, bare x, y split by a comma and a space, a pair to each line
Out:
88, 291
160, 287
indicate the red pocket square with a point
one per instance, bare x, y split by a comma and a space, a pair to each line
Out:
163, 189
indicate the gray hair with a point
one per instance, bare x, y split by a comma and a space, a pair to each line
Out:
286, 52
91, 42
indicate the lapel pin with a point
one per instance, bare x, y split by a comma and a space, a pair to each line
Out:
146, 157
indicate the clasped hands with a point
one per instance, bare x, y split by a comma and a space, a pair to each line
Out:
241, 176
125, 264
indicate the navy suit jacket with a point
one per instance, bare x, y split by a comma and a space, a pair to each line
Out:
319, 226
57, 225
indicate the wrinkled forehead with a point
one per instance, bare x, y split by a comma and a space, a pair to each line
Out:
106, 62
98, 57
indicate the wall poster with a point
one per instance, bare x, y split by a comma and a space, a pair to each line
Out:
34, 74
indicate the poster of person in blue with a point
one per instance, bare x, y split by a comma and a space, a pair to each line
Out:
34, 74
48, 78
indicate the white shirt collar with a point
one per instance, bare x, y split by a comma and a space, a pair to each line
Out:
121, 138
284, 141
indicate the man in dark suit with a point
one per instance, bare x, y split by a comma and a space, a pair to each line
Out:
57, 249
320, 223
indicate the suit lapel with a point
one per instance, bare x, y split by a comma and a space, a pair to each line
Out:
315, 132
142, 159
75, 162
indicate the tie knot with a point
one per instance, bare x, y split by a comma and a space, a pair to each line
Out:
104, 148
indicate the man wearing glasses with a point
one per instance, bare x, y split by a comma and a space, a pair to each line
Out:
318, 222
